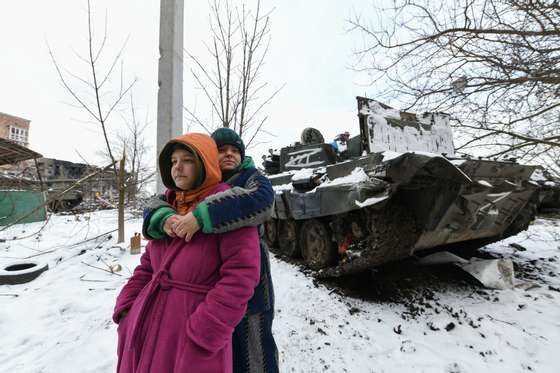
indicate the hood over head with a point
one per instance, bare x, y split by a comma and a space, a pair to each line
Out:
206, 158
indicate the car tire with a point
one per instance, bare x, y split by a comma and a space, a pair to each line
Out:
21, 272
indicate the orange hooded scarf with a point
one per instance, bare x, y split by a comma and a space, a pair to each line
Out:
207, 151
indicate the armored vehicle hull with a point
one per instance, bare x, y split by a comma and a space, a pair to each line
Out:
549, 190
391, 203
65, 202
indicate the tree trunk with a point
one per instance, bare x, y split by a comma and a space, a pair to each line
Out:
121, 200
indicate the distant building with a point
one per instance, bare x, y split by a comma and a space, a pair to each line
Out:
48, 173
59, 174
15, 129
52, 169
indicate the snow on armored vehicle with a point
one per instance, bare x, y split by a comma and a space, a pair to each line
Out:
394, 190
549, 190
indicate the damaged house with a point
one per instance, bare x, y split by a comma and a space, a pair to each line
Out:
28, 180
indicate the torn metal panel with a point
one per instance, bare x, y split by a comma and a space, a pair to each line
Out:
491, 273
391, 129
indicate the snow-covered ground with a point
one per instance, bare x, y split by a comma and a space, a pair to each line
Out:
61, 322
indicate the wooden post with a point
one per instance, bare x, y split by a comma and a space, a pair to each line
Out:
39, 175
135, 242
121, 200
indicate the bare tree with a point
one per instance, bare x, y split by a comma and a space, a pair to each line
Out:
132, 142
92, 92
231, 83
493, 64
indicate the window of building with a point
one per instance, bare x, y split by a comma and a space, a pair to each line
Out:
18, 135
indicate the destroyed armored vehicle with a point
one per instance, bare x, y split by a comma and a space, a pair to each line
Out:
390, 192
63, 202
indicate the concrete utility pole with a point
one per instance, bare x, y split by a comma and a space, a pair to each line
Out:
170, 75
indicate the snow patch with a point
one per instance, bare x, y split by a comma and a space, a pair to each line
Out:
538, 175
388, 155
281, 188
457, 162
61, 322
358, 175
371, 201
303, 174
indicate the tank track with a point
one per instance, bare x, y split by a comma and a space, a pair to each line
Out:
392, 233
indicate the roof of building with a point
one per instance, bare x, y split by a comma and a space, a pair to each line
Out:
13, 116
18, 183
11, 152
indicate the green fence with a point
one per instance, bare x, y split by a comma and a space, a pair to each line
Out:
17, 203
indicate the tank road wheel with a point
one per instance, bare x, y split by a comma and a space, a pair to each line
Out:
271, 233
317, 248
288, 237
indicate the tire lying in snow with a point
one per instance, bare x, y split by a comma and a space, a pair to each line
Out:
21, 272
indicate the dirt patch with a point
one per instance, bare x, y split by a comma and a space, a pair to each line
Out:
420, 288
403, 282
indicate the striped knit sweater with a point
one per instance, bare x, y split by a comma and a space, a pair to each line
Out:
248, 203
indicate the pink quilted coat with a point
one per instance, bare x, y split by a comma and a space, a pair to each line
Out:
184, 301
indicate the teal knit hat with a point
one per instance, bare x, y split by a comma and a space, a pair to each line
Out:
227, 136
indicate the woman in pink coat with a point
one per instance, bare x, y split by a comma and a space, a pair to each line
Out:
178, 311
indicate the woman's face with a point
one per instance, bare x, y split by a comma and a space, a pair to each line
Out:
229, 157
183, 169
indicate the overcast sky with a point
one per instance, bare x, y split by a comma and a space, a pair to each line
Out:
311, 53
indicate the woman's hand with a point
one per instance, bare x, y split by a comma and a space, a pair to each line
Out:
186, 226
169, 225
